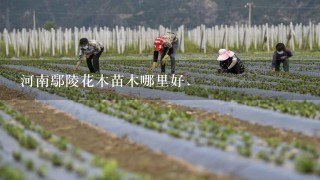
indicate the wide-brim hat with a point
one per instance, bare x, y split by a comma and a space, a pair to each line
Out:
224, 54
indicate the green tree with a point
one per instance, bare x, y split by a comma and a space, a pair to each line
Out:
48, 25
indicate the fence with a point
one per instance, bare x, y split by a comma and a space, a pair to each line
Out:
38, 42
263, 37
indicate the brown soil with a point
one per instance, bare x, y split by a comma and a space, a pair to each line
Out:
130, 156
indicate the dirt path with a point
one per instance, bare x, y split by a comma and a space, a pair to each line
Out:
130, 156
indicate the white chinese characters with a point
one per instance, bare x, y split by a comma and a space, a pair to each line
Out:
89, 81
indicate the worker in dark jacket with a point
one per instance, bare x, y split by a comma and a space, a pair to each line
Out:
229, 62
165, 45
281, 55
92, 49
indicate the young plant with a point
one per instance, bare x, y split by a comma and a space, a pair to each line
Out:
28, 142
56, 160
273, 142
29, 164
264, 156
244, 150
69, 165
109, 171
279, 160
44, 133
75, 152
62, 144
305, 164
80, 170
16, 155
7, 172
291, 155
42, 171
98, 161
42, 153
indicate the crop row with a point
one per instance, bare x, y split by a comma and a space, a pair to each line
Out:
121, 65
254, 81
303, 108
251, 81
297, 85
68, 157
180, 124
250, 76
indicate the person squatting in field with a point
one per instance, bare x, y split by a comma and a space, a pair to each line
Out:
229, 62
165, 45
92, 49
281, 55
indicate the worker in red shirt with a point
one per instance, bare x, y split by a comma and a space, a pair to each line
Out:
165, 45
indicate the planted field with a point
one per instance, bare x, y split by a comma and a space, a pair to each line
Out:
129, 124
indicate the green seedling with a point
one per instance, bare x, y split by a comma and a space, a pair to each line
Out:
247, 139
75, 152
44, 134
62, 144
7, 172
264, 156
16, 155
42, 171
244, 150
291, 155
98, 161
56, 160
69, 165
305, 164
222, 145
28, 142
29, 164
279, 160
284, 150
109, 171
80, 170
272, 142
44, 154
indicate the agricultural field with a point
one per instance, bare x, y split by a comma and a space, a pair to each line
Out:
127, 123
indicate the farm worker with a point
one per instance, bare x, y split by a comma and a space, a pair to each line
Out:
229, 62
165, 45
92, 49
281, 55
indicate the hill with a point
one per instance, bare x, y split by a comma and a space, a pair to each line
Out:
151, 13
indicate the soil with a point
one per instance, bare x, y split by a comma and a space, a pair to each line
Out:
129, 155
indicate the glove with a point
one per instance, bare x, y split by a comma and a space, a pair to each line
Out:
163, 61
75, 70
153, 66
